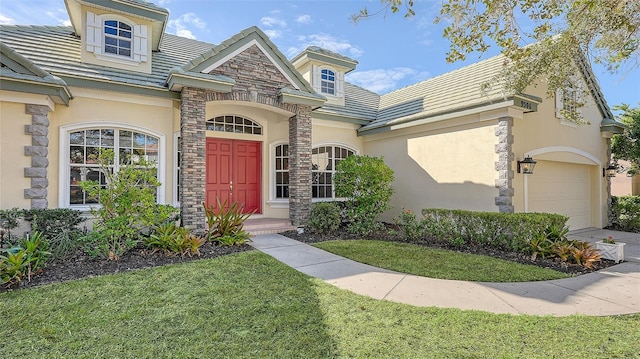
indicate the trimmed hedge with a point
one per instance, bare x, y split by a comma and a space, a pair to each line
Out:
509, 231
625, 213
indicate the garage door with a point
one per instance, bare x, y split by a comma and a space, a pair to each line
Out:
565, 188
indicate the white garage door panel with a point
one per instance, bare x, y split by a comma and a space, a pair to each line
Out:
563, 188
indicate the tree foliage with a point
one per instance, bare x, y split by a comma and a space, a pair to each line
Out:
565, 31
626, 146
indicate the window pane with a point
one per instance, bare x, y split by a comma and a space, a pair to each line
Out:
125, 26
107, 137
76, 138
124, 52
125, 43
110, 31
125, 139
111, 23
93, 137
138, 140
126, 34
92, 154
76, 154
111, 41
111, 49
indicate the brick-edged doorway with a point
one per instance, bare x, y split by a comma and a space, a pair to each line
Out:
234, 172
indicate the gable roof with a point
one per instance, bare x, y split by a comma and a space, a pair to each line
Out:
323, 55
18, 73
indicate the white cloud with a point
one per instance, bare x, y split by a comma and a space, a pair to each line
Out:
385, 80
60, 17
303, 19
271, 21
6, 20
325, 41
180, 26
273, 34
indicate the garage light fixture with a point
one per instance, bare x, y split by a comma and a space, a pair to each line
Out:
609, 171
526, 166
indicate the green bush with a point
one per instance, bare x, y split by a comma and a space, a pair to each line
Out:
127, 206
8, 221
59, 227
412, 228
23, 261
170, 238
626, 213
324, 217
509, 231
226, 223
366, 184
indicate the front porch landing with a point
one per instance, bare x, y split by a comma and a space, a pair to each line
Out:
256, 226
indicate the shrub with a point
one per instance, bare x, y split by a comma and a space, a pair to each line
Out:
128, 206
509, 231
23, 261
366, 183
412, 228
8, 221
584, 254
626, 213
59, 227
226, 222
324, 217
170, 238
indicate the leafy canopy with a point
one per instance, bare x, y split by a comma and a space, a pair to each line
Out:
566, 31
626, 146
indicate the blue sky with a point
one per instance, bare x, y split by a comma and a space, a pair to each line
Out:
392, 51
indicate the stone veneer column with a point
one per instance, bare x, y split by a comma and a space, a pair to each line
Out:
193, 162
38, 151
504, 149
300, 166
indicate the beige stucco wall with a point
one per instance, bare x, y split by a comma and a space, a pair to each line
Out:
92, 108
548, 138
437, 167
13, 120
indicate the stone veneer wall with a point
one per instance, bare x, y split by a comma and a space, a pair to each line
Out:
504, 183
38, 151
300, 167
193, 161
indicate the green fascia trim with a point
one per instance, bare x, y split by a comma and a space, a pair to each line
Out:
611, 125
339, 118
120, 87
385, 127
184, 80
330, 59
59, 94
301, 99
234, 43
23, 64
138, 9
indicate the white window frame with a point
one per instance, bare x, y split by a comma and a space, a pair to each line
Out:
560, 96
95, 39
338, 81
284, 202
64, 165
176, 169
333, 170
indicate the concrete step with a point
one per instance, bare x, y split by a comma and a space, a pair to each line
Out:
267, 226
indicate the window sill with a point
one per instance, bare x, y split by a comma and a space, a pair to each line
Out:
278, 203
118, 59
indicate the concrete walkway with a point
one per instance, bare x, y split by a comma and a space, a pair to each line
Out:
615, 290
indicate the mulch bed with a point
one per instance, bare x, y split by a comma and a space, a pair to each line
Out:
80, 265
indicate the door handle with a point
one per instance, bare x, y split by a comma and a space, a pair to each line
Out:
231, 186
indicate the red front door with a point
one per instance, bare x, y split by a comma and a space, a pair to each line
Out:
234, 172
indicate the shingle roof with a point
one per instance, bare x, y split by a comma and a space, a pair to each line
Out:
360, 104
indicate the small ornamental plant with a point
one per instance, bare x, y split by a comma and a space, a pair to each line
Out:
608, 240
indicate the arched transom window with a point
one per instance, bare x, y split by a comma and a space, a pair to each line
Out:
235, 124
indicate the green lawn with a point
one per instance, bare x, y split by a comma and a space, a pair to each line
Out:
249, 305
437, 263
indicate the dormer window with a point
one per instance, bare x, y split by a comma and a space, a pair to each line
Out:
117, 38
328, 82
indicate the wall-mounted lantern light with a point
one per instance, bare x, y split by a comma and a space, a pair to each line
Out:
526, 166
609, 171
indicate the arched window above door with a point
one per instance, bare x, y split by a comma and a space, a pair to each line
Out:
234, 124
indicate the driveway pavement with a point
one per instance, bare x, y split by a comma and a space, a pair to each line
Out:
612, 291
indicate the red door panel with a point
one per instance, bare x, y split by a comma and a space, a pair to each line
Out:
233, 172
